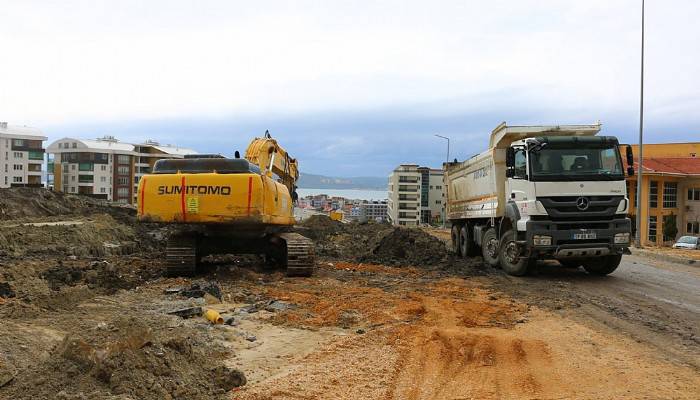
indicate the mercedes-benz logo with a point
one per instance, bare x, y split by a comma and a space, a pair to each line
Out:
582, 203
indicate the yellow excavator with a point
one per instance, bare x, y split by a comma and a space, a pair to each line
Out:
228, 206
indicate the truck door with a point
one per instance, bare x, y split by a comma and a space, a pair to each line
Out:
518, 187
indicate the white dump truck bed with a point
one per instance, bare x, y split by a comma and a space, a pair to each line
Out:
476, 187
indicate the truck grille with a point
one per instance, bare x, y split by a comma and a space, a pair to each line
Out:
580, 207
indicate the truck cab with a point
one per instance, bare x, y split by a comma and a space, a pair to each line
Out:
568, 195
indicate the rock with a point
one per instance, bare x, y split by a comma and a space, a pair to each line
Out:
6, 291
360, 331
347, 318
227, 378
198, 289
250, 338
276, 306
230, 321
187, 312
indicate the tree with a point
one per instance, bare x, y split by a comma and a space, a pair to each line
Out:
670, 229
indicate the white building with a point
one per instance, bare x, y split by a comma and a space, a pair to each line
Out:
404, 202
415, 195
373, 211
104, 168
21, 156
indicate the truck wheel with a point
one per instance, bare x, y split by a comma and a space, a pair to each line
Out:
489, 247
509, 256
454, 235
466, 245
603, 266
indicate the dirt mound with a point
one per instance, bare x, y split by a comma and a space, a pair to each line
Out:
23, 203
374, 243
98, 235
402, 246
128, 358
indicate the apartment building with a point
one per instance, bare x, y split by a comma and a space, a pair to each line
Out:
21, 156
404, 203
432, 208
373, 211
104, 168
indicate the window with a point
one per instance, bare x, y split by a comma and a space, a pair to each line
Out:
18, 154
5, 180
72, 178
75, 145
18, 167
72, 189
86, 166
18, 142
123, 170
85, 179
103, 168
520, 169
693, 194
103, 190
437, 202
17, 179
36, 155
693, 227
652, 229
653, 194
122, 192
103, 179
670, 194
122, 159
438, 187
72, 167
122, 181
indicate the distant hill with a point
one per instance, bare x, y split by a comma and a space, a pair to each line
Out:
311, 181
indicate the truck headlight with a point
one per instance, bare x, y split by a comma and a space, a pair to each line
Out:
542, 240
622, 238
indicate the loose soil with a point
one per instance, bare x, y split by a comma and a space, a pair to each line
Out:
390, 314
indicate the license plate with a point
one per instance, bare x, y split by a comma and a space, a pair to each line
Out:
584, 235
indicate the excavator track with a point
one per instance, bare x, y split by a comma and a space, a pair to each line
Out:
181, 255
301, 258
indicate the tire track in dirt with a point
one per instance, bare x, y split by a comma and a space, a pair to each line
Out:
448, 358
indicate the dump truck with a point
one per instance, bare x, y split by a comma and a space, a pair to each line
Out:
542, 192
224, 205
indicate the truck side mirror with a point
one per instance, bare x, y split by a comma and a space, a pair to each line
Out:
630, 161
510, 157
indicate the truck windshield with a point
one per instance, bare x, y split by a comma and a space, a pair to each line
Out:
559, 163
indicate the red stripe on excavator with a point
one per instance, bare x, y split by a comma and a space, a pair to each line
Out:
143, 190
250, 192
182, 200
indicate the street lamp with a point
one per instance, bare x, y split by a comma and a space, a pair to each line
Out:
448, 145
443, 208
638, 220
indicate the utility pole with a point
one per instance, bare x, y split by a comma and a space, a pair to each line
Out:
638, 220
444, 188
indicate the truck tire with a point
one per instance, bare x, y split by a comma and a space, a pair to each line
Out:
603, 266
489, 247
454, 235
509, 256
467, 247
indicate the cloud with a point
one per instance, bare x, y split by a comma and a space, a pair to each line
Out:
348, 80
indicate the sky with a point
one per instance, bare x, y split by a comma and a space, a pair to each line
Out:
350, 88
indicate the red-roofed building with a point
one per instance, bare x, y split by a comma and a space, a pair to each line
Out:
670, 186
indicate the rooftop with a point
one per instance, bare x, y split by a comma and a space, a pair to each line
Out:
670, 165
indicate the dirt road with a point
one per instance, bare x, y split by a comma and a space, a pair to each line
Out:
651, 301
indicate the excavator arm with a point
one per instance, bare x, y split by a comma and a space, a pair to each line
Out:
267, 154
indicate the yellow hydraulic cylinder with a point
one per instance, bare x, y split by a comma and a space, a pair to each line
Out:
214, 317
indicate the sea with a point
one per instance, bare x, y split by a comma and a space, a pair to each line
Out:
347, 193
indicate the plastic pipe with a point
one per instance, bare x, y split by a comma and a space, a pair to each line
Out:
214, 317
